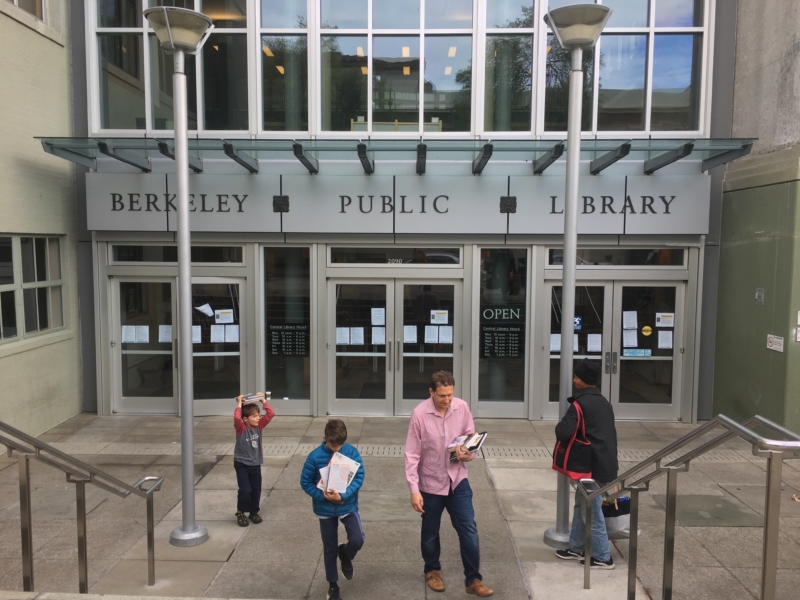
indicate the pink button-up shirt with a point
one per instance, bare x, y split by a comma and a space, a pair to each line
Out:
428, 465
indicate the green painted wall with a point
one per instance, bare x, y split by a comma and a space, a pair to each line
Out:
758, 249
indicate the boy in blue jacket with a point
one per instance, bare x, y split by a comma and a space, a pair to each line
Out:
332, 507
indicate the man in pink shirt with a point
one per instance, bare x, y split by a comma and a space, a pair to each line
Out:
437, 483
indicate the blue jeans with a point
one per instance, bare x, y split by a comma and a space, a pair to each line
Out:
459, 506
601, 549
249, 479
329, 530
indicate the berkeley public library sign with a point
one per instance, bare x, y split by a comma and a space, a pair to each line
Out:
666, 204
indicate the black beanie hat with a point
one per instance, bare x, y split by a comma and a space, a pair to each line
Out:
588, 372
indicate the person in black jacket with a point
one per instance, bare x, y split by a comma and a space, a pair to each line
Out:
599, 417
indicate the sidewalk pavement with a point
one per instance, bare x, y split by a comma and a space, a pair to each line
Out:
717, 540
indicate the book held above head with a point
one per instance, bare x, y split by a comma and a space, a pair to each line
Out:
256, 397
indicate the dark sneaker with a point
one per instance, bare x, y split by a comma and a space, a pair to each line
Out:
241, 518
333, 592
600, 564
256, 518
569, 554
347, 564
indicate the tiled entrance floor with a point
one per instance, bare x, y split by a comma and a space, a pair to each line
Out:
717, 555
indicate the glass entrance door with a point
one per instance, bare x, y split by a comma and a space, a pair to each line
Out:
647, 340
144, 377
217, 323
634, 331
386, 339
592, 339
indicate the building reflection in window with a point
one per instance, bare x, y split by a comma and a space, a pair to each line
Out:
556, 93
345, 78
620, 101
284, 81
225, 82
507, 97
395, 83
448, 83
121, 81
676, 82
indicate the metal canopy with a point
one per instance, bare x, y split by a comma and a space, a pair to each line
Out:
653, 153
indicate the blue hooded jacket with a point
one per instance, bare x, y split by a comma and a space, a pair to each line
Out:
319, 458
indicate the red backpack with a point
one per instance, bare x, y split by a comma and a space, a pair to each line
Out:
575, 458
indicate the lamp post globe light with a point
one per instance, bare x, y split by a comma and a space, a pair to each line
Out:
576, 28
180, 31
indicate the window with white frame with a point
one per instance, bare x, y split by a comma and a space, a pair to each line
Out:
31, 286
33, 7
643, 75
432, 67
396, 66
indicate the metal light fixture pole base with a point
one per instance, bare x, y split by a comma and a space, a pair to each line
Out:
558, 536
195, 537
189, 533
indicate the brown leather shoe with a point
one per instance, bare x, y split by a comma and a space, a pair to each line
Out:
434, 581
478, 589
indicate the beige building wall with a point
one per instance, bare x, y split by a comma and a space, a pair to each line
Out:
767, 78
40, 376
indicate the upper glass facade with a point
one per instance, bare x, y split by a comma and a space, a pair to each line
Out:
443, 67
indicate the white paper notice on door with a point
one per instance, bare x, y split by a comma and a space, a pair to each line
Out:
165, 334
665, 340
378, 335
217, 334
629, 339
223, 315
409, 334
205, 309
431, 334
342, 336
575, 343
378, 316
197, 334
665, 320
231, 334
594, 342
439, 317
357, 336
128, 334
445, 334
629, 320
555, 342
142, 334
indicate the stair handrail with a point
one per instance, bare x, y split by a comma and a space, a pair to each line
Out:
772, 449
26, 448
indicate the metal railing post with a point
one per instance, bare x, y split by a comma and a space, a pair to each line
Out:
83, 564
772, 512
669, 532
633, 544
587, 545
25, 519
151, 543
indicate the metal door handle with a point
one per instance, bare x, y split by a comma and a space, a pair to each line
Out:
389, 355
398, 355
608, 363
614, 363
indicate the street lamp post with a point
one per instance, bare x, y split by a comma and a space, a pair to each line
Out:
180, 31
576, 27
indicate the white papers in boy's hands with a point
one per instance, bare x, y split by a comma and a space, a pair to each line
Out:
338, 474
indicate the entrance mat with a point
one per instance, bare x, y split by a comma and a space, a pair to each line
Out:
712, 511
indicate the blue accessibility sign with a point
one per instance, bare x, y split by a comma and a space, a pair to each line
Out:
578, 323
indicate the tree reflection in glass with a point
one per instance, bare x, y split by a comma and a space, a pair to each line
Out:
507, 100
556, 94
285, 82
345, 77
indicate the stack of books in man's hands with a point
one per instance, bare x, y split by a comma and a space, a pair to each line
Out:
472, 443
